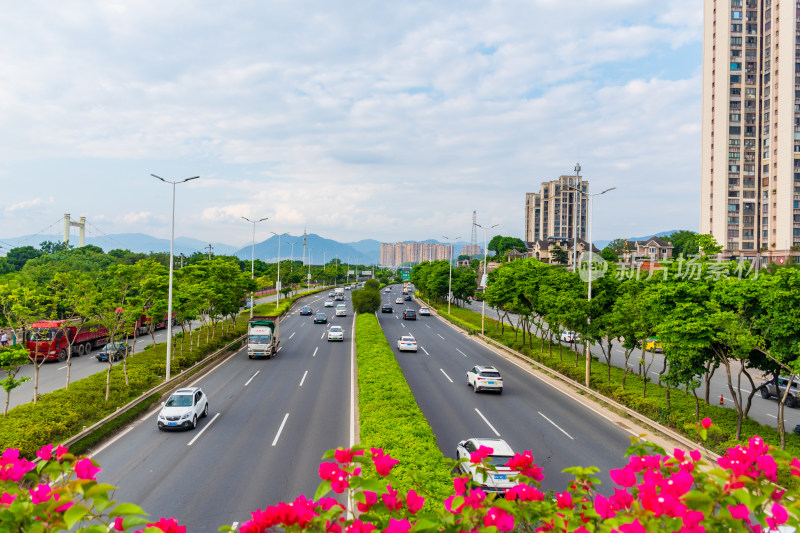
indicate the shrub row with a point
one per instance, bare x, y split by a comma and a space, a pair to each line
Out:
63, 413
673, 408
390, 418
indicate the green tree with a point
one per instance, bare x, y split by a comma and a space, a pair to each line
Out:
366, 300
17, 257
683, 242
614, 250
50, 247
559, 256
372, 284
12, 359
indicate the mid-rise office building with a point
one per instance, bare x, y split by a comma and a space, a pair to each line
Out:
551, 211
750, 181
398, 253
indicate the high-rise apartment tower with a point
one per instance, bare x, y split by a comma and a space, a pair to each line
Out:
750, 183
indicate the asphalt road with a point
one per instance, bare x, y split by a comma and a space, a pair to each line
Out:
269, 423
764, 411
53, 374
529, 415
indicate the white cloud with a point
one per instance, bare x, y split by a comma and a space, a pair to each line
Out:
28, 205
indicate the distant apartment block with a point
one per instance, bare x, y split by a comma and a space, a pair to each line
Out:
395, 254
551, 211
471, 249
750, 172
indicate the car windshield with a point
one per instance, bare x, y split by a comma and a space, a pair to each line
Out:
490, 374
321, 315
336, 329
41, 334
259, 339
499, 460
179, 400
407, 339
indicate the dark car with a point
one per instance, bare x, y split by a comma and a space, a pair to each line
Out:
306, 310
115, 350
407, 297
409, 314
386, 308
320, 318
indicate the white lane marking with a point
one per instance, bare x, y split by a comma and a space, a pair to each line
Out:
251, 378
234, 525
352, 389
292, 335
427, 326
773, 416
487, 422
279, 349
302, 324
322, 336
462, 353
655, 373
556, 425
440, 336
304, 378
274, 442
315, 352
445, 375
202, 430
424, 350
402, 324
62, 367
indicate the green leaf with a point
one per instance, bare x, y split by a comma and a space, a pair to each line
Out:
74, 514
323, 489
104, 488
126, 509
371, 485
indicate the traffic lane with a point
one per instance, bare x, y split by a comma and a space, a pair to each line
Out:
528, 415
251, 413
764, 411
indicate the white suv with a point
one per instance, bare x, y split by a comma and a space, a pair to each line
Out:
499, 481
341, 310
182, 409
485, 378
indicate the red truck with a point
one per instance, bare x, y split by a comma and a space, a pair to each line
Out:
50, 339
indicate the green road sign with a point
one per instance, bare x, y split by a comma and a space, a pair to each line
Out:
405, 273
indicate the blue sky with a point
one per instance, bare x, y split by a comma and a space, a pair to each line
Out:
391, 121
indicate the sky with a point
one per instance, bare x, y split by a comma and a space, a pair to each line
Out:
354, 119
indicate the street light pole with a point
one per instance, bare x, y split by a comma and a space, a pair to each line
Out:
485, 274
171, 268
278, 282
450, 281
308, 280
575, 204
588, 354
253, 261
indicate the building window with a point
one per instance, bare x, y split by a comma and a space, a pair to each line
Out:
733, 208
736, 66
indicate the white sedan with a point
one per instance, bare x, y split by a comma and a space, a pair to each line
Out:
407, 343
328, 303
398, 301
387, 289
424, 311
336, 333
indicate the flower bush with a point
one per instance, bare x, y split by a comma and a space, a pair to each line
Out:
655, 491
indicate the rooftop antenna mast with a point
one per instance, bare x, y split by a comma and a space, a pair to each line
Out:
474, 241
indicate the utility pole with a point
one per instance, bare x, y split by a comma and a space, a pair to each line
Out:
575, 205
210, 248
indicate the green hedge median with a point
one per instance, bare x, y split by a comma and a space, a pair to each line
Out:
391, 419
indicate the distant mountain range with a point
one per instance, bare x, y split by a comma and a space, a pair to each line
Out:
365, 251
603, 244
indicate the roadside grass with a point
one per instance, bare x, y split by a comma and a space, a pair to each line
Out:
63, 413
390, 418
671, 407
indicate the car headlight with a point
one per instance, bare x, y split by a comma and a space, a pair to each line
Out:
185, 415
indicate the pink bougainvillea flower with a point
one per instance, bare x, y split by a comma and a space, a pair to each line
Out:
480, 454
621, 499
249, 527
7, 499
12, 466
624, 477
328, 470
371, 499
85, 469
339, 482
390, 499
64, 507
695, 455
497, 517
359, 527
41, 493
118, 524
460, 484
739, 512
61, 451
345, 455
414, 501
168, 525
604, 507
633, 527
563, 500
384, 464
398, 526
706, 422
777, 495
768, 466
46, 453
524, 493
328, 503
777, 516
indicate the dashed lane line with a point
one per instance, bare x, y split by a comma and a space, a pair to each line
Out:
280, 430
450, 380
487, 422
202, 430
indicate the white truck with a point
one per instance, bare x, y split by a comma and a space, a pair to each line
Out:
263, 336
338, 293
